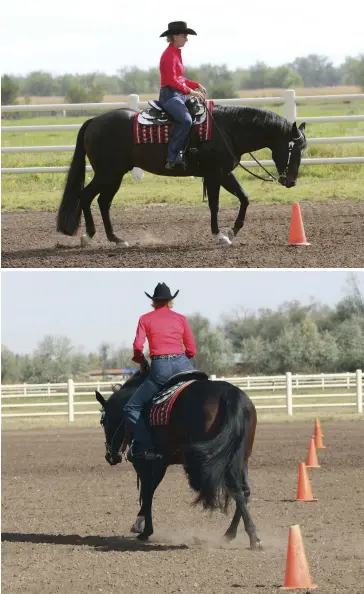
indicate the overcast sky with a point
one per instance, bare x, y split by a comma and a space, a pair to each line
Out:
77, 36
94, 306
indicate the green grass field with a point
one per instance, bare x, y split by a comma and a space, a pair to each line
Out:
316, 183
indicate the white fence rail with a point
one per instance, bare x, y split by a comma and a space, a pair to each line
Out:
289, 100
277, 392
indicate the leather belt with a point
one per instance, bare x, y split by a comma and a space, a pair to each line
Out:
154, 357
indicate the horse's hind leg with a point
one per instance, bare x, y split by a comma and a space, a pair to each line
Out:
231, 532
86, 198
241, 505
108, 191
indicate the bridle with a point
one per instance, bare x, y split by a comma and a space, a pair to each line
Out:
109, 448
295, 142
271, 178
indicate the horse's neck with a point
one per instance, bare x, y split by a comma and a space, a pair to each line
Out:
256, 133
130, 387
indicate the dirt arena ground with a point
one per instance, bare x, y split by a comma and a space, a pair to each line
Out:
66, 517
179, 237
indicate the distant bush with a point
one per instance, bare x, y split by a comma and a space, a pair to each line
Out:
9, 90
77, 94
223, 90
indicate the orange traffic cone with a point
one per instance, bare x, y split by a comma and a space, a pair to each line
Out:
297, 573
304, 492
312, 460
296, 232
317, 435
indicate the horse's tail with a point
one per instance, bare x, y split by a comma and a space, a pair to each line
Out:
215, 467
69, 213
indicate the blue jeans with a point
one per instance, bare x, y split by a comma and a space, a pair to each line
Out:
160, 371
174, 102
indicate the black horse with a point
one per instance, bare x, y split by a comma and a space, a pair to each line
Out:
211, 433
107, 140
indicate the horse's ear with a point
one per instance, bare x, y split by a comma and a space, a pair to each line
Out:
100, 398
295, 130
302, 126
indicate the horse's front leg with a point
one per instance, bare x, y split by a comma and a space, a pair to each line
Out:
231, 184
139, 524
150, 478
212, 182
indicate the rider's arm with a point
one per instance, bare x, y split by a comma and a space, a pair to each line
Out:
139, 341
192, 84
188, 340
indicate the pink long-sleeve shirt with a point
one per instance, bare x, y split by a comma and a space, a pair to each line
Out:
172, 69
167, 332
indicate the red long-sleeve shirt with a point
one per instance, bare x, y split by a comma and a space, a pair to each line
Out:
171, 70
168, 333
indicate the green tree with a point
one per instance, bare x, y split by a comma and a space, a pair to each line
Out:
316, 71
104, 352
259, 76
9, 90
40, 84
214, 354
9, 366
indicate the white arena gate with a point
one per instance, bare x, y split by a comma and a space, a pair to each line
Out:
289, 100
289, 392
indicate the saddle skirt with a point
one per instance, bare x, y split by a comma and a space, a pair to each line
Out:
163, 402
153, 124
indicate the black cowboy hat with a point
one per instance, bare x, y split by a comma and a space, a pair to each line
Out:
162, 293
177, 27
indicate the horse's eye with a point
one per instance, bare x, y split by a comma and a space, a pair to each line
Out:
102, 417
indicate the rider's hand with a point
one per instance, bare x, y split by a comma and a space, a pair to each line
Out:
202, 89
197, 93
144, 367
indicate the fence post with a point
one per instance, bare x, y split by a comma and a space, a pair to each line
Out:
213, 377
24, 389
290, 111
289, 393
71, 393
359, 390
133, 103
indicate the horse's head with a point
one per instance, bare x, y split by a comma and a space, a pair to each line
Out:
287, 155
113, 422
112, 416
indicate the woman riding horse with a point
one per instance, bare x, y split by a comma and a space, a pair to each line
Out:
171, 345
175, 88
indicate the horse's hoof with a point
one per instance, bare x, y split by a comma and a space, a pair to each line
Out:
138, 526
222, 239
229, 537
85, 240
256, 546
119, 242
143, 537
231, 234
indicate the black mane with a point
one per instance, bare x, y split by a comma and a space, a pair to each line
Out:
257, 117
127, 388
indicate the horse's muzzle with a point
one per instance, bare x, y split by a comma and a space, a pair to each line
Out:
286, 182
113, 460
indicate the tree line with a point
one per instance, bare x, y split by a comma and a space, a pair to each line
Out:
309, 71
312, 338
